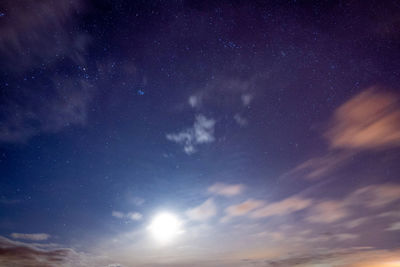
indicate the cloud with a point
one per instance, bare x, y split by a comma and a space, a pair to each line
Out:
240, 120
134, 216
375, 196
355, 223
345, 236
328, 238
15, 253
33, 237
283, 207
370, 120
138, 201
43, 34
317, 167
195, 101
243, 208
25, 113
372, 196
203, 212
276, 236
318, 211
226, 92
202, 132
226, 190
40, 32
246, 99
394, 214
328, 212
350, 257
394, 227
118, 214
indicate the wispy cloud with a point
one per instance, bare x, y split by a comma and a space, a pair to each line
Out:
356, 222
67, 106
318, 211
350, 257
138, 201
328, 212
134, 216
345, 236
44, 29
393, 214
195, 101
44, 35
370, 120
226, 190
246, 99
314, 210
394, 227
372, 197
375, 196
317, 167
243, 208
203, 212
16, 253
33, 237
225, 91
202, 132
240, 120
283, 207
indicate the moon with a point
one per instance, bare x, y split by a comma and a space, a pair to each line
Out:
165, 227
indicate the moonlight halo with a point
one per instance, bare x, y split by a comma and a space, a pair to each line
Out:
165, 227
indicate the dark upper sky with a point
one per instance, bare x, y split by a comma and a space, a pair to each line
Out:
269, 131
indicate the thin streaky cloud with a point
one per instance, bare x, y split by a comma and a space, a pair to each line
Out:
367, 121
33, 237
283, 207
203, 212
134, 216
227, 190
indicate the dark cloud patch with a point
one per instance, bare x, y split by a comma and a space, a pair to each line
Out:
329, 258
20, 254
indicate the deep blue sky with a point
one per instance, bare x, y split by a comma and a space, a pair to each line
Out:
271, 129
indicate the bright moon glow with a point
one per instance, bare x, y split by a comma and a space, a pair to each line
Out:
165, 227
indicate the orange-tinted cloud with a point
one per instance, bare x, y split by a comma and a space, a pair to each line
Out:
352, 257
375, 196
328, 212
226, 190
372, 196
243, 208
370, 120
317, 167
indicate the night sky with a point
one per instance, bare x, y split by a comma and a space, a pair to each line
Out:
199, 133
